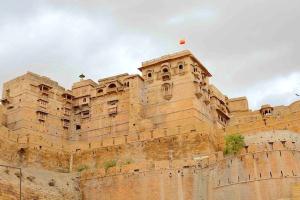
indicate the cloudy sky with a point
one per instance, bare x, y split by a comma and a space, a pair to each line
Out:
251, 47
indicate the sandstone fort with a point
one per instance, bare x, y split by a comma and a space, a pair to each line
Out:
157, 135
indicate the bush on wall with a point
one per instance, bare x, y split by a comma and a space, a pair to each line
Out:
233, 143
108, 164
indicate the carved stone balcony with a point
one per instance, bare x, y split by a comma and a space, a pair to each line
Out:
66, 111
221, 110
85, 114
166, 76
41, 115
112, 110
44, 89
42, 109
68, 97
43, 97
266, 110
65, 122
6, 100
166, 90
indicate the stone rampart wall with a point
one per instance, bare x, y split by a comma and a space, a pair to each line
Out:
261, 171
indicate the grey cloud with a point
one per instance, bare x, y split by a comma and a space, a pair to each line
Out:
243, 43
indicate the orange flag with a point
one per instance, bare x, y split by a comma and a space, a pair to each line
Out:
182, 41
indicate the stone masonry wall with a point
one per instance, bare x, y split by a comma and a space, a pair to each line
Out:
262, 171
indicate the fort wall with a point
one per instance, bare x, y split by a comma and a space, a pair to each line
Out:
186, 140
263, 172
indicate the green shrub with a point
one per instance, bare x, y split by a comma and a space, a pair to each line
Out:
233, 143
82, 167
108, 164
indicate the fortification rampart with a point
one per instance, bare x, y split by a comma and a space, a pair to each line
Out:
281, 118
274, 168
71, 155
58, 153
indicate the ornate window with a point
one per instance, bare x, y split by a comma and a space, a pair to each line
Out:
149, 76
112, 88
165, 70
100, 91
43, 103
165, 74
41, 115
85, 114
166, 90
112, 107
112, 85
180, 66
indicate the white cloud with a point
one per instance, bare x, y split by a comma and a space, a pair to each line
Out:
202, 15
279, 91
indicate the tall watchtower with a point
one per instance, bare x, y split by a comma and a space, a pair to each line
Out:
177, 91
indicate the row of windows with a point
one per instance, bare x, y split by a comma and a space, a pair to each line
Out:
165, 72
111, 87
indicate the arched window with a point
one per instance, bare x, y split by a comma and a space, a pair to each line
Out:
166, 90
180, 66
112, 85
165, 70
149, 75
100, 91
165, 87
84, 100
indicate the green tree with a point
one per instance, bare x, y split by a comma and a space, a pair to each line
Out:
233, 143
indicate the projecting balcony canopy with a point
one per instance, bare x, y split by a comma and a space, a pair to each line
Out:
64, 118
114, 86
67, 95
42, 110
223, 113
6, 100
44, 87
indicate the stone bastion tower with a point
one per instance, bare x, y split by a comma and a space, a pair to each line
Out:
158, 135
